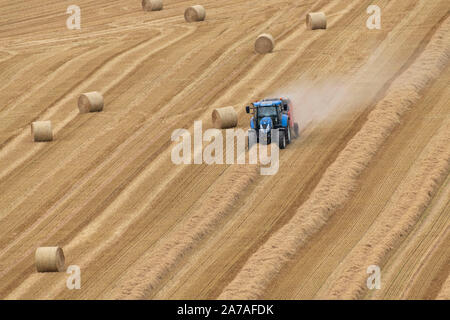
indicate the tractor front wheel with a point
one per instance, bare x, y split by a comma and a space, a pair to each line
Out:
252, 138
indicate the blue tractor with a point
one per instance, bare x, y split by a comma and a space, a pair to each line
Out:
269, 115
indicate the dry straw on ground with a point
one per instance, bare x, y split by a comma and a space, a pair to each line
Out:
397, 220
224, 118
316, 20
195, 13
264, 43
49, 259
341, 177
152, 5
90, 102
41, 131
208, 212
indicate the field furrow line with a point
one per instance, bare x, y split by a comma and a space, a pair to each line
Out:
207, 213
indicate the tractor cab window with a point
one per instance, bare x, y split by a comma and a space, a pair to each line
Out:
267, 112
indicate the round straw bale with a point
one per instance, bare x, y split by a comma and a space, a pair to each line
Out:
195, 13
41, 131
90, 102
49, 259
264, 43
224, 118
316, 20
152, 5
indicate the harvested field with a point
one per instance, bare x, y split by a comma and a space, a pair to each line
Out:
367, 183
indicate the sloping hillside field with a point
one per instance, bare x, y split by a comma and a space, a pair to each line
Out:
147, 202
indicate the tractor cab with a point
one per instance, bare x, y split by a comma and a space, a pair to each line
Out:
271, 114
268, 115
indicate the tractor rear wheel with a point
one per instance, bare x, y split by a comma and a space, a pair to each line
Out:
296, 130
